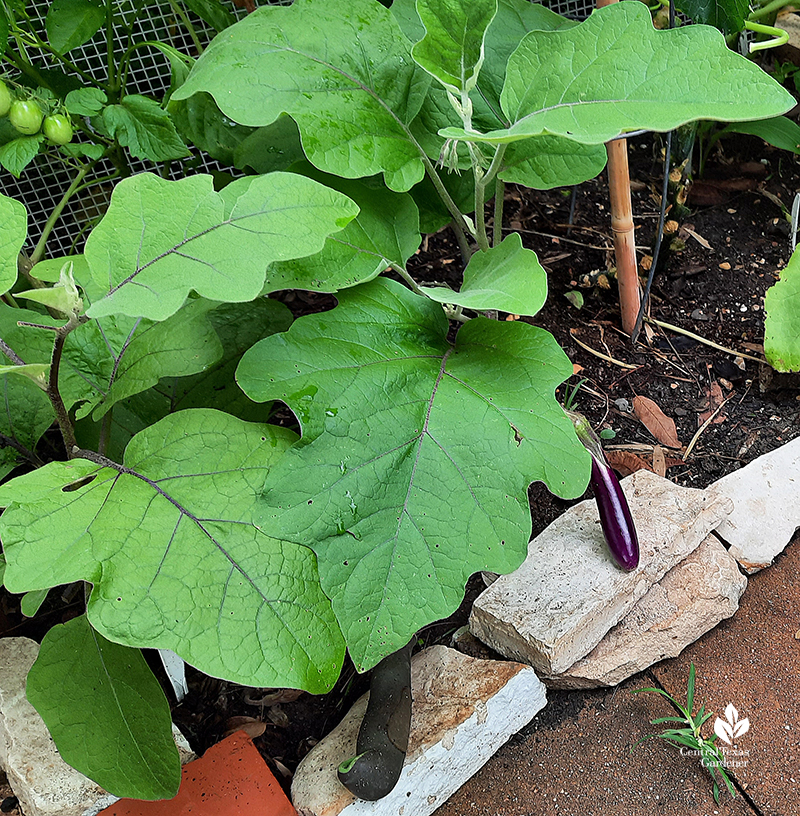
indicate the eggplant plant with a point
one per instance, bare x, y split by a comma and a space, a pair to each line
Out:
194, 522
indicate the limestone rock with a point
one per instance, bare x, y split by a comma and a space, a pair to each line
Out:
690, 600
464, 709
568, 593
766, 513
44, 784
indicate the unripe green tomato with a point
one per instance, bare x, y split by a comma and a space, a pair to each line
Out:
5, 98
58, 129
26, 116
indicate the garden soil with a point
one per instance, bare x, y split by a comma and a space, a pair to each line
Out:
718, 259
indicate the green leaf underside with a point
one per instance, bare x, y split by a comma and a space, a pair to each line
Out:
14, 221
353, 104
270, 148
175, 560
186, 236
452, 48
385, 230
416, 455
780, 131
120, 734
782, 324
71, 23
144, 127
507, 277
213, 12
631, 76
726, 15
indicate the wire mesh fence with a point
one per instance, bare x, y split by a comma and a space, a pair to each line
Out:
44, 181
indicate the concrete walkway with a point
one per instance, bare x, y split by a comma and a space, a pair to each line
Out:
578, 757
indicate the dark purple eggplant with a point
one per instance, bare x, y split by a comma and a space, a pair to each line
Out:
615, 515
383, 736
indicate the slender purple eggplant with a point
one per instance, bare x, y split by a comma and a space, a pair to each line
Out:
615, 515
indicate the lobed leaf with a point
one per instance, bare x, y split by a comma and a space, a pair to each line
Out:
119, 734
342, 69
615, 73
188, 237
174, 554
416, 454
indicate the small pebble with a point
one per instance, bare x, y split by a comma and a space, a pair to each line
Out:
623, 405
8, 804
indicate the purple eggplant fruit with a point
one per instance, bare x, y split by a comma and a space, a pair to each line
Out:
615, 515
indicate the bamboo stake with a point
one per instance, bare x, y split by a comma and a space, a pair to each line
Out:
619, 186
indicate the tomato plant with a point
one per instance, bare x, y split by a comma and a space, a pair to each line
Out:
26, 116
58, 129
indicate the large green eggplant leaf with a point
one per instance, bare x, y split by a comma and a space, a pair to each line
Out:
615, 73
386, 230
507, 277
726, 15
782, 324
170, 544
120, 734
13, 231
342, 69
416, 454
186, 236
452, 48
540, 163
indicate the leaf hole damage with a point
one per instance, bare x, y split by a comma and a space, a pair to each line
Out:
78, 484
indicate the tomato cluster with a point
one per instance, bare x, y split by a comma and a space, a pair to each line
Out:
27, 118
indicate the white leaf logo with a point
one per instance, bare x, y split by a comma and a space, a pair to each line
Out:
734, 727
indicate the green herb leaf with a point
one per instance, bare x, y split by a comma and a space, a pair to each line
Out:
386, 230
631, 76
352, 104
176, 561
507, 277
144, 127
385, 400
192, 238
782, 324
71, 23
452, 48
120, 734
14, 218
